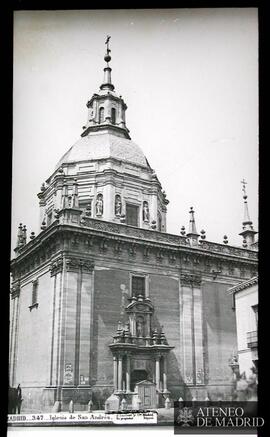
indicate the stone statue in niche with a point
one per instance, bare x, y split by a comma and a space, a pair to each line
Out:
145, 212
118, 205
99, 205
139, 327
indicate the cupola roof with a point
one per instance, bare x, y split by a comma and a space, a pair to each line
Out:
104, 145
105, 134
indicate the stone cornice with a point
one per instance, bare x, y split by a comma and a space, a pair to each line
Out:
102, 97
113, 239
100, 127
243, 285
144, 237
93, 161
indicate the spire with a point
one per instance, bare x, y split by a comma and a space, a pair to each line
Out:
192, 233
75, 200
192, 225
107, 82
106, 109
20, 236
246, 221
248, 232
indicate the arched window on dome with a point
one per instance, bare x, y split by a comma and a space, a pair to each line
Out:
101, 115
113, 115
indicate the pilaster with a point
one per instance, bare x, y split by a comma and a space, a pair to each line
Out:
15, 301
192, 329
72, 321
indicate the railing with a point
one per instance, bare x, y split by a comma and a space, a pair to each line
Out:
139, 341
230, 250
252, 339
146, 234
75, 217
163, 237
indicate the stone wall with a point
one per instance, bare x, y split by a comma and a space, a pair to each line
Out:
33, 356
219, 337
92, 303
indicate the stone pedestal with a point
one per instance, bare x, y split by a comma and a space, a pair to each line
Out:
112, 403
136, 402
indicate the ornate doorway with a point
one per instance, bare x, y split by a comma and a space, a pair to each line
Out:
147, 393
137, 376
140, 354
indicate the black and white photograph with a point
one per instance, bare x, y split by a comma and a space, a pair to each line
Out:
134, 243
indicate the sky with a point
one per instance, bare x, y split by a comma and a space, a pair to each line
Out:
190, 81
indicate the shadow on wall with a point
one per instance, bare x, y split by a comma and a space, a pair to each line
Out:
219, 333
176, 384
109, 309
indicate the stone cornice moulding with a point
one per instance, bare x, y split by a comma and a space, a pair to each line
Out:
55, 237
186, 253
243, 285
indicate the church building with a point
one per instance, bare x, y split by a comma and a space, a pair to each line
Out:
104, 300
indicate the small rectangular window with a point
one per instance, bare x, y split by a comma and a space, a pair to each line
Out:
113, 117
34, 292
138, 285
49, 218
34, 296
255, 309
83, 204
132, 213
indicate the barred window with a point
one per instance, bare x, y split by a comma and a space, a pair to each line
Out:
138, 285
34, 292
113, 116
255, 309
101, 115
49, 218
86, 203
132, 212
159, 222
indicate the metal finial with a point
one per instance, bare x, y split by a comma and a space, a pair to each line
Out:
43, 225
107, 41
183, 231
107, 56
203, 236
244, 188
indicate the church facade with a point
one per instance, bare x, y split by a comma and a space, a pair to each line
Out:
103, 299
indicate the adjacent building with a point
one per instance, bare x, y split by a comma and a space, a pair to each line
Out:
245, 302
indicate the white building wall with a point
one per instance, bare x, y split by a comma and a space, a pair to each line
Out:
245, 322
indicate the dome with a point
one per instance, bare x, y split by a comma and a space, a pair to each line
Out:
102, 146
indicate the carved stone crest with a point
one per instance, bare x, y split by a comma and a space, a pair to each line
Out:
190, 279
15, 289
74, 264
56, 266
